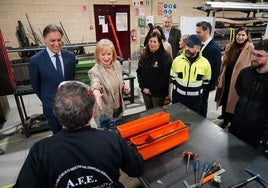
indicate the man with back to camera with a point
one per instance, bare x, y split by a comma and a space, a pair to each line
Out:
78, 155
48, 68
212, 52
250, 122
172, 34
190, 72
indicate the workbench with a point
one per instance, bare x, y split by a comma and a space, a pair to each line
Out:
33, 123
211, 143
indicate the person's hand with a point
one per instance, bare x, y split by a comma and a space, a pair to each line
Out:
98, 97
126, 89
146, 91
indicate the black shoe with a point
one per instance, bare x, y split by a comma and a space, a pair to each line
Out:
220, 117
224, 124
1, 151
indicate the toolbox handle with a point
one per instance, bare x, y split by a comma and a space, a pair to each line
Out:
150, 139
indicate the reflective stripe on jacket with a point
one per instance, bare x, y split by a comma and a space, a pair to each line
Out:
188, 78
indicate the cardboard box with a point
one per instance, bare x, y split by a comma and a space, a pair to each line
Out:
161, 139
141, 125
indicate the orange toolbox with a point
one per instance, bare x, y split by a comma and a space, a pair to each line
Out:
132, 128
154, 134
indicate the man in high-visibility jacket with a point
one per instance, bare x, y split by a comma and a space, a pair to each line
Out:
190, 72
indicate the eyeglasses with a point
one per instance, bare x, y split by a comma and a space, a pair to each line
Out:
258, 55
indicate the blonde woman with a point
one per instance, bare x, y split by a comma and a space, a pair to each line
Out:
107, 82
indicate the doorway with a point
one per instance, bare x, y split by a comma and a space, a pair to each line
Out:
108, 17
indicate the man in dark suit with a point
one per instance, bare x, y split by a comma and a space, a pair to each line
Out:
212, 52
48, 68
172, 35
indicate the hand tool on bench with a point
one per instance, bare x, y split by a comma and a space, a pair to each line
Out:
196, 170
259, 178
213, 169
211, 166
205, 170
205, 180
211, 176
244, 182
188, 155
187, 184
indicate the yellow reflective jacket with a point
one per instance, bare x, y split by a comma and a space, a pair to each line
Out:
189, 78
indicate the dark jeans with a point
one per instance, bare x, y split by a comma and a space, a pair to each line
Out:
151, 102
192, 102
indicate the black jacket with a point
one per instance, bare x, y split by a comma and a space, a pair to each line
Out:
154, 74
86, 157
252, 89
250, 121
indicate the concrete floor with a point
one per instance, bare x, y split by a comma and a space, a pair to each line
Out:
16, 145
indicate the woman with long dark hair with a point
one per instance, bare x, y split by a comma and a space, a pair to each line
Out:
150, 27
153, 72
237, 56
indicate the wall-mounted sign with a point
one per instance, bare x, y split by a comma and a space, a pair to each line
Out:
121, 21
149, 19
139, 11
136, 11
138, 2
170, 9
103, 24
160, 8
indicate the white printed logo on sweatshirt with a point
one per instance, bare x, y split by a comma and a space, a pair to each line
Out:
84, 175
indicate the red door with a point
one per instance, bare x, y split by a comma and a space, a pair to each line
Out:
120, 21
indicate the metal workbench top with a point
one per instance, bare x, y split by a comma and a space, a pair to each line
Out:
211, 143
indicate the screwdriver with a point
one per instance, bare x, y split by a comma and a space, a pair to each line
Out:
211, 165
213, 169
211, 176
206, 167
196, 170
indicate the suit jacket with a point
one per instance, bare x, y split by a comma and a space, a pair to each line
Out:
213, 54
44, 77
174, 39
